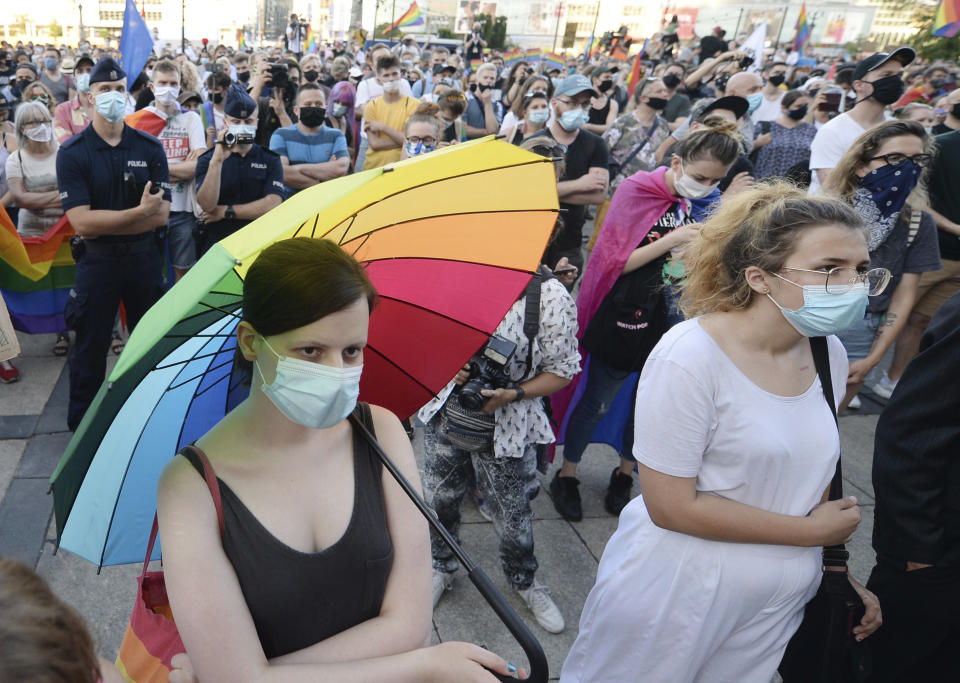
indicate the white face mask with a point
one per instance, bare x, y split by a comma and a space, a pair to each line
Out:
339, 109
310, 394
391, 87
166, 95
42, 133
690, 188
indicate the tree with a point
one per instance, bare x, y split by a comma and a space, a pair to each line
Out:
445, 33
494, 30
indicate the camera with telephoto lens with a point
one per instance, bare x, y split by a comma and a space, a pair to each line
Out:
280, 81
745, 62
230, 139
488, 370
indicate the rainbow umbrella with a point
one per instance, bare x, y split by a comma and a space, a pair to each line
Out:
450, 241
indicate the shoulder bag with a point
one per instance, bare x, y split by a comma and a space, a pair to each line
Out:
151, 639
824, 650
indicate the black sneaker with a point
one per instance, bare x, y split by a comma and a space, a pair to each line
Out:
618, 493
566, 497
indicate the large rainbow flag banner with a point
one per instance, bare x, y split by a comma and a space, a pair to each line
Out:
412, 17
511, 57
554, 60
803, 29
533, 55
947, 21
36, 275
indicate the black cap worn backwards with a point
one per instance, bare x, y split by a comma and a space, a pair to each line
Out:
106, 69
238, 103
904, 55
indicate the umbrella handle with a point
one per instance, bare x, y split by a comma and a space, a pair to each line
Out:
539, 670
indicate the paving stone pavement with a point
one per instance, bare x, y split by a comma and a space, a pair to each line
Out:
33, 436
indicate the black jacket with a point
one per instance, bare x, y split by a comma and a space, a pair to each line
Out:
916, 459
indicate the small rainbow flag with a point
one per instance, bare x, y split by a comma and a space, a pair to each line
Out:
314, 45
411, 17
638, 70
947, 21
511, 57
533, 55
474, 65
241, 43
36, 275
553, 60
803, 29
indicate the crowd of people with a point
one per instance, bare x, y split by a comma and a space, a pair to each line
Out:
741, 204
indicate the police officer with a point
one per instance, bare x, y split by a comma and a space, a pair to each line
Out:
240, 181
115, 189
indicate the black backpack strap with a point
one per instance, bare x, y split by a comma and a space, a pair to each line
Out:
834, 555
531, 317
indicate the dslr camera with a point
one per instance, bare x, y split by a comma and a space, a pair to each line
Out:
488, 370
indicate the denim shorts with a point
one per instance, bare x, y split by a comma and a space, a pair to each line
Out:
858, 340
183, 247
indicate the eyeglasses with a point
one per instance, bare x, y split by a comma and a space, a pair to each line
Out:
841, 279
895, 159
417, 140
571, 103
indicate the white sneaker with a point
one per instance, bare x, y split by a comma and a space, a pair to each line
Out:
884, 388
854, 403
442, 582
538, 599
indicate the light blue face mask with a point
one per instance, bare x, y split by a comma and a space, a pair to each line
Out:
112, 105
311, 394
573, 119
538, 117
83, 82
823, 313
755, 100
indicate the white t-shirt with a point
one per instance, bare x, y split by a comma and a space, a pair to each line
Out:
37, 175
698, 415
182, 134
768, 109
830, 144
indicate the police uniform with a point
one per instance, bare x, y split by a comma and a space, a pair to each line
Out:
110, 268
243, 179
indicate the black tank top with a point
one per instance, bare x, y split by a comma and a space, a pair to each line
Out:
298, 599
599, 116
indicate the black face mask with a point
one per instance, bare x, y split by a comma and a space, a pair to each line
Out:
937, 83
312, 117
671, 80
888, 89
955, 111
777, 80
243, 76
798, 114
311, 75
657, 103
23, 83
473, 87
721, 82
484, 88
605, 86
217, 97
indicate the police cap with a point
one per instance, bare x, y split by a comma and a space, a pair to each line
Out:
238, 103
106, 69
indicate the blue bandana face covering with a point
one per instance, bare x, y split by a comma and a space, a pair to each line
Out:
823, 313
882, 195
415, 150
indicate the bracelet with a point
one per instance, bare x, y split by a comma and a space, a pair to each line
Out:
521, 393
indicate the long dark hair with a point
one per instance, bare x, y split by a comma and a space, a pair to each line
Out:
297, 281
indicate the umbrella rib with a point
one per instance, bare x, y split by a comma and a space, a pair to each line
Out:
202, 374
184, 422
404, 372
353, 219
188, 360
313, 230
217, 308
436, 313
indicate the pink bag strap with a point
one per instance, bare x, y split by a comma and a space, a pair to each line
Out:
211, 478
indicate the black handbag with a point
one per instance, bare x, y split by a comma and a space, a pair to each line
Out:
824, 650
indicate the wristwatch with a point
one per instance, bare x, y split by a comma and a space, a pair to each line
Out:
230, 214
521, 393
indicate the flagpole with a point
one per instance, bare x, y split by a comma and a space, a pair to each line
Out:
393, 16
780, 31
736, 33
183, 26
557, 30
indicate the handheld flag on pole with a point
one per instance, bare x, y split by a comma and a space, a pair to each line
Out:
136, 43
636, 73
412, 17
803, 29
947, 21
533, 55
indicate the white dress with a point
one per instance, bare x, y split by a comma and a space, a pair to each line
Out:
671, 607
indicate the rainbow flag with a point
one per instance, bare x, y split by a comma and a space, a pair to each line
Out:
474, 65
553, 60
511, 57
241, 43
313, 47
533, 55
638, 70
412, 17
149, 120
803, 29
947, 21
36, 275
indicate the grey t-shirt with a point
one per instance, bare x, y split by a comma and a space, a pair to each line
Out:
677, 107
60, 89
893, 254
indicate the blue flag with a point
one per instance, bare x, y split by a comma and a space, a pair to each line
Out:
136, 43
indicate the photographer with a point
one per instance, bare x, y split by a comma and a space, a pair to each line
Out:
475, 44
275, 91
500, 442
238, 180
295, 35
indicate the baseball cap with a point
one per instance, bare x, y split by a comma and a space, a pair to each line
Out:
738, 105
84, 59
904, 55
188, 95
574, 85
355, 72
